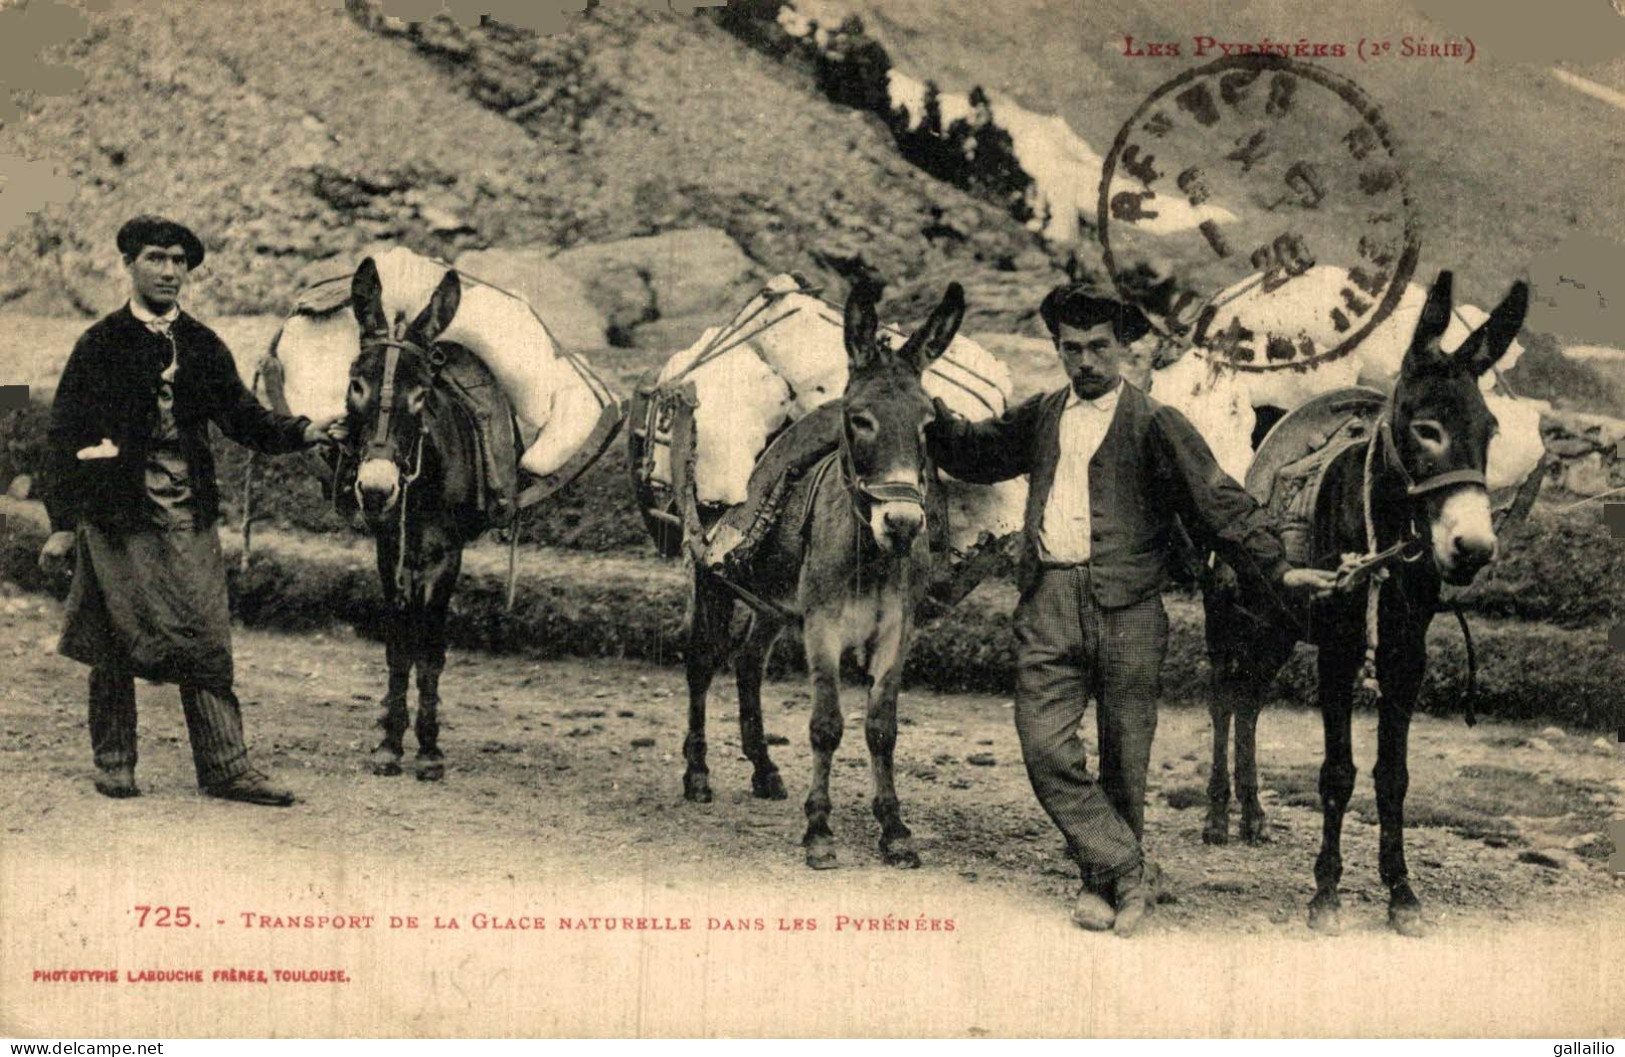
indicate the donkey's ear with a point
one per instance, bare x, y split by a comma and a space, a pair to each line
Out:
861, 323
1435, 318
1498, 331
367, 299
933, 339
1424, 353
436, 315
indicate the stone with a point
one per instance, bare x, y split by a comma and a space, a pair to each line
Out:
672, 333
691, 272
1553, 733
1539, 744
1553, 859
1587, 475
20, 486
558, 297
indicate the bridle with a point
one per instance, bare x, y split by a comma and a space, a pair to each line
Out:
864, 494
1410, 548
1413, 487
381, 445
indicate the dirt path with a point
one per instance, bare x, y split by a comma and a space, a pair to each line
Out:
563, 789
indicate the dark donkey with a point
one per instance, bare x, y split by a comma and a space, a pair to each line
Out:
417, 490
1422, 486
852, 558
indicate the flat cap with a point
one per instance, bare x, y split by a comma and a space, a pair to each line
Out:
151, 230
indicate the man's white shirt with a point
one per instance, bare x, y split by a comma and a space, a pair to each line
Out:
1063, 536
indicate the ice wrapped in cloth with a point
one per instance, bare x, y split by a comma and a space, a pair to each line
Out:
1220, 400
783, 355
557, 399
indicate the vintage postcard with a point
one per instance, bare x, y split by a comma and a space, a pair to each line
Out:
812, 518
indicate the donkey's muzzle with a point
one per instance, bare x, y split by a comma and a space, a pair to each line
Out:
1466, 556
377, 485
896, 524
1463, 535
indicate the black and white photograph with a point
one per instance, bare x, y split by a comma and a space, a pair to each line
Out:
812, 519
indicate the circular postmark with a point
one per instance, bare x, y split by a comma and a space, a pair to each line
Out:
1271, 191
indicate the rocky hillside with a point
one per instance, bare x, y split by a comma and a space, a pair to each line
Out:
293, 132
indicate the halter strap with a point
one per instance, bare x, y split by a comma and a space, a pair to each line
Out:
1413, 487
881, 492
378, 447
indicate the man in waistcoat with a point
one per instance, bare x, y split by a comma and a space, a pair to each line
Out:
1109, 470
132, 498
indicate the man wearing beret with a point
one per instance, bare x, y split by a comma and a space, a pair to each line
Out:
1109, 471
132, 497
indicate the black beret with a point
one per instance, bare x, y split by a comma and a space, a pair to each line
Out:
1081, 305
150, 230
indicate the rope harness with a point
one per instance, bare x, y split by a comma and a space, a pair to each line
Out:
859, 492
1409, 549
381, 445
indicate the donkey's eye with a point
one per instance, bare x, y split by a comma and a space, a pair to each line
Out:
863, 423
358, 390
1428, 432
414, 401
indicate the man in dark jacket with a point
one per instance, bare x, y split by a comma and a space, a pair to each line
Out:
1109, 470
133, 498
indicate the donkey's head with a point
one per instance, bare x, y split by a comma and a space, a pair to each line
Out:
885, 414
391, 386
1441, 428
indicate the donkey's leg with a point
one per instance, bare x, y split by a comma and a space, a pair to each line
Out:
1224, 657
392, 718
707, 645
1222, 706
1338, 664
880, 726
1400, 672
440, 578
822, 635
1253, 828
1258, 668
749, 665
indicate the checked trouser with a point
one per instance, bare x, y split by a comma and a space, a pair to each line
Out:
1069, 649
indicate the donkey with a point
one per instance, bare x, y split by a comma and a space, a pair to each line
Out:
851, 557
1423, 489
415, 484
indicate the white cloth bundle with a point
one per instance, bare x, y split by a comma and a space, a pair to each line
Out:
1219, 400
556, 405
783, 355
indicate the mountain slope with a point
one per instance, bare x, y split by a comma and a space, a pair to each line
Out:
288, 131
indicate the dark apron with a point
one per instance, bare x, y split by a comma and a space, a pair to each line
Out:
152, 602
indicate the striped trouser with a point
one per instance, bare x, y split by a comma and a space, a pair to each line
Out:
213, 719
1068, 650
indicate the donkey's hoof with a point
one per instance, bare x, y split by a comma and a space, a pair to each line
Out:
697, 788
430, 769
768, 785
1326, 916
1255, 830
1407, 921
385, 764
820, 853
901, 854
1405, 912
1217, 830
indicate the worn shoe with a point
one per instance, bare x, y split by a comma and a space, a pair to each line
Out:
116, 782
251, 787
1134, 899
1092, 912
